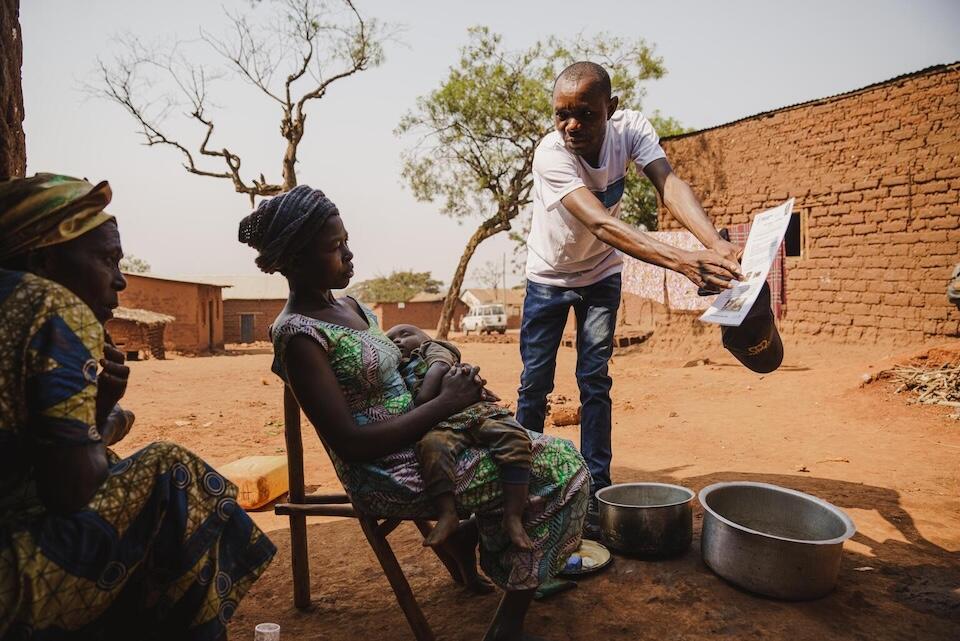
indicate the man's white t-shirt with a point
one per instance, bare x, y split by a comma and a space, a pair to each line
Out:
561, 251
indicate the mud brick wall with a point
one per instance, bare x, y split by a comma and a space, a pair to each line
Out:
197, 308
876, 177
422, 314
264, 311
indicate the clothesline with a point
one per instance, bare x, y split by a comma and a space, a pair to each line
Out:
677, 292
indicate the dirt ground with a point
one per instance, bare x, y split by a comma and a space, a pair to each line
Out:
811, 426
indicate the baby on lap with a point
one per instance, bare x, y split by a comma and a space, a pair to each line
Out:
485, 424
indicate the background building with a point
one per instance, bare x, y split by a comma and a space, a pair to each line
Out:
196, 306
250, 305
138, 332
423, 311
876, 177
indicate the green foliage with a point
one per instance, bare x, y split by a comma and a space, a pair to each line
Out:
133, 265
480, 128
398, 287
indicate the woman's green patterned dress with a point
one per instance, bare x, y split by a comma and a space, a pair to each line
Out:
366, 365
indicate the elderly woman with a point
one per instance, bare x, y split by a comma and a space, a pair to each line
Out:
153, 546
344, 372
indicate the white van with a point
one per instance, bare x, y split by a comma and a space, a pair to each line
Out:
485, 319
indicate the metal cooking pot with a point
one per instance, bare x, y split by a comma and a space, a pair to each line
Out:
649, 520
773, 540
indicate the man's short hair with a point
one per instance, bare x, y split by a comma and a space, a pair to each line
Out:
587, 70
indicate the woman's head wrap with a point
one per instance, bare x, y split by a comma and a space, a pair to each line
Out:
47, 209
281, 226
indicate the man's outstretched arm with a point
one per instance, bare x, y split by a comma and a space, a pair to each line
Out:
679, 198
707, 267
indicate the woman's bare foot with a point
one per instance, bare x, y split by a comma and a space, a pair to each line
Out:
446, 525
513, 526
462, 548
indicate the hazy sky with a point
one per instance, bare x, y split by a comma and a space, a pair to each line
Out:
725, 60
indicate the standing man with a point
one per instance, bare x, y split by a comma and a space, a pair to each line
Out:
572, 250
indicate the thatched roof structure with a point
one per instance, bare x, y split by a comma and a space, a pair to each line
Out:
142, 316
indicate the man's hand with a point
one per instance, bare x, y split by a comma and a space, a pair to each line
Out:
728, 250
111, 381
709, 269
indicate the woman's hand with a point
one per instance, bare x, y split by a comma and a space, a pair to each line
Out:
117, 425
461, 387
111, 381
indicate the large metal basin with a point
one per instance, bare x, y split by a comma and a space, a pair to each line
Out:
773, 540
649, 520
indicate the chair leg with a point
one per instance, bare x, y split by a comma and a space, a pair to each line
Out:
391, 568
300, 560
444, 556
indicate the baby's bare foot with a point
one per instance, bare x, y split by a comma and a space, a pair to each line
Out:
446, 525
518, 536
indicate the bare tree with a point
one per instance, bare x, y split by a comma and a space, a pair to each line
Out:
291, 61
490, 275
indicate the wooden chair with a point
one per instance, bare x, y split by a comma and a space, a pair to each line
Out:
376, 529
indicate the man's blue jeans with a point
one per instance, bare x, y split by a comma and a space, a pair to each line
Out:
545, 312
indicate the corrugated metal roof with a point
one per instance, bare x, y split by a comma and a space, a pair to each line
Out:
763, 114
192, 280
253, 286
485, 296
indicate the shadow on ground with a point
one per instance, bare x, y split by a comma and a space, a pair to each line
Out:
912, 592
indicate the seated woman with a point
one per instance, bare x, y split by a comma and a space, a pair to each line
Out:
153, 546
344, 372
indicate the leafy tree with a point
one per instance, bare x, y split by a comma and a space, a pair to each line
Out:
479, 129
639, 205
133, 265
398, 287
292, 60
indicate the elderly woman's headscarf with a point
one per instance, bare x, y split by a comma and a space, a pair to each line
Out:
47, 209
283, 225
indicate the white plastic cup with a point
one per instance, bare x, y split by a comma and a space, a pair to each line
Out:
266, 632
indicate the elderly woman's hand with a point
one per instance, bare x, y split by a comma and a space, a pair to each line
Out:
111, 381
461, 387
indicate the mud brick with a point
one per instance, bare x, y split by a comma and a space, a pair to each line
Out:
896, 299
893, 226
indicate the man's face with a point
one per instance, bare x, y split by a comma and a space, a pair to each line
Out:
580, 114
407, 338
89, 266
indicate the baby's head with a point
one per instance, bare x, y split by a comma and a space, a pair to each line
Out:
407, 338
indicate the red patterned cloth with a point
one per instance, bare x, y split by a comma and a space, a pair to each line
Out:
777, 278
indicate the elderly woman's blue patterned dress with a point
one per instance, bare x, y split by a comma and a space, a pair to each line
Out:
366, 364
162, 551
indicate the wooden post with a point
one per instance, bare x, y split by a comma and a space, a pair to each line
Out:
299, 556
